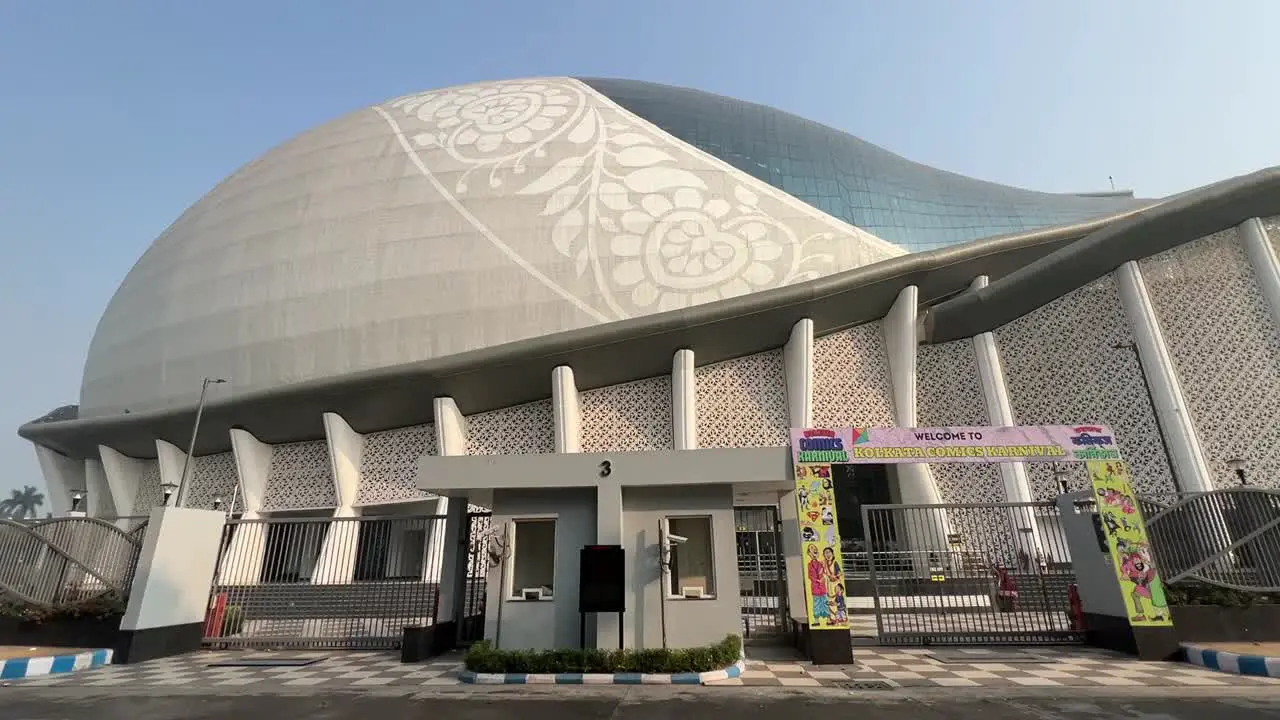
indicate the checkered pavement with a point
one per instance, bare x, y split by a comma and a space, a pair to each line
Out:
335, 671
1048, 667
890, 667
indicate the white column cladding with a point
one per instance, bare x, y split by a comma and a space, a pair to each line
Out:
684, 401
451, 440
797, 360
123, 476
171, 459
928, 529
99, 502
1266, 268
242, 560
566, 410
62, 476
1189, 466
1017, 485
337, 561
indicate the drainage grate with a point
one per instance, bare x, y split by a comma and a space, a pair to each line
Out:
864, 685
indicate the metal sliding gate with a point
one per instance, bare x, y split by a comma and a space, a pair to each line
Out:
325, 582
969, 574
761, 572
477, 536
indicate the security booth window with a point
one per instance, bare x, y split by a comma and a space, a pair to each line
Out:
533, 559
691, 563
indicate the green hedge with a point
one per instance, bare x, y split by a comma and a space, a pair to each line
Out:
484, 658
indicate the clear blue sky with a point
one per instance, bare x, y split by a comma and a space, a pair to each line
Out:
115, 116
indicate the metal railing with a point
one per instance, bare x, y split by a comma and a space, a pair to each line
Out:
66, 561
959, 574
1229, 537
327, 582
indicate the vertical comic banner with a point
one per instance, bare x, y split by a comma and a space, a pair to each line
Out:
824, 589
1121, 517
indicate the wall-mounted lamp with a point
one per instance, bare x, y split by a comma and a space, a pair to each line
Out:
1237, 465
76, 497
1063, 478
168, 489
217, 502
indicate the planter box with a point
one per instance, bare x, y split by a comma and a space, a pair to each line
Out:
1213, 623
67, 632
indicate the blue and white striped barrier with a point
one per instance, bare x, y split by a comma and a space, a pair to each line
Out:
733, 671
18, 668
1229, 662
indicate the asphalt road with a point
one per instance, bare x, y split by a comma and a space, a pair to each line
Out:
726, 704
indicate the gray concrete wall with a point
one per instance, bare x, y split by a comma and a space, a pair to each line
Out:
544, 624
688, 622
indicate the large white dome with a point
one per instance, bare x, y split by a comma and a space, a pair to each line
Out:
439, 223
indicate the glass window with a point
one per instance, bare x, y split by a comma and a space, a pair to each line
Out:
533, 559
691, 567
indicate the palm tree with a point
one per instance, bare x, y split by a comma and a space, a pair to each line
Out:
22, 503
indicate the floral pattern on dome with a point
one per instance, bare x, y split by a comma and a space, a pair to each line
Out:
631, 417
389, 465
1226, 350
300, 477
1062, 366
643, 222
851, 379
742, 402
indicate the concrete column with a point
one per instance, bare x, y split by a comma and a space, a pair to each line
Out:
124, 474
927, 530
566, 410
242, 560
170, 593
797, 362
1262, 258
1017, 485
171, 460
433, 562
792, 556
684, 401
62, 476
451, 440
336, 563
1189, 467
99, 502
609, 532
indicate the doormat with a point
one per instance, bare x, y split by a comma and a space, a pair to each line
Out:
268, 662
864, 685
952, 657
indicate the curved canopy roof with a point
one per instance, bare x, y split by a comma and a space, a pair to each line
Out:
1027, 271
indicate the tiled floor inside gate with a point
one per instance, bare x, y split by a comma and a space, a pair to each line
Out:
889, 667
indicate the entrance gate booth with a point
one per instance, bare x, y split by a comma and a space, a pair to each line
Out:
938, 574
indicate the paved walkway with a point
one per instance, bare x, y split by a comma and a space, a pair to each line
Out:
876, 668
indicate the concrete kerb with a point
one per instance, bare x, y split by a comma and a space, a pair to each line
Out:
1229, 662
19, 668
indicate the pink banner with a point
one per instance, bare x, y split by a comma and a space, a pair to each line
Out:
1034, 443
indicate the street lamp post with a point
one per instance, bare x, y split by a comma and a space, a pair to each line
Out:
1151, 403
195, 431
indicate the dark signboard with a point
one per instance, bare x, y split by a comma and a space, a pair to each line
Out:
602, 580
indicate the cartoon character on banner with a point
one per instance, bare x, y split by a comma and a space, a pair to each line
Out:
1136, 567
817, 576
